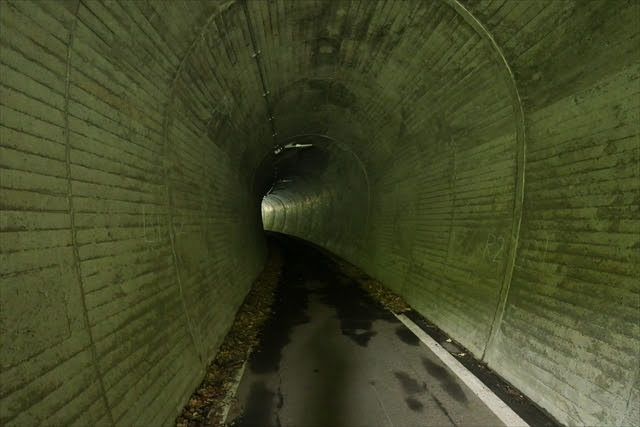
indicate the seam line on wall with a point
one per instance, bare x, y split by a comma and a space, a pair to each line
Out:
520, 171
165, 170
74, 238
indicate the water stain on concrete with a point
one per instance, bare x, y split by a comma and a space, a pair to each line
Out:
434, 369
414, 405
355, 308
289, 311
412, 388
259, 408
362, 338
409, 385
280, 399
447, 381
406, 336
454, 390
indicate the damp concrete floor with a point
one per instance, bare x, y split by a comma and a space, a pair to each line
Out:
332, 356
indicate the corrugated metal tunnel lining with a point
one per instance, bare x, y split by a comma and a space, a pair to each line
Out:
132, 136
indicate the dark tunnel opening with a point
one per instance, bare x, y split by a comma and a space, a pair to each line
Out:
479, 158
325, 181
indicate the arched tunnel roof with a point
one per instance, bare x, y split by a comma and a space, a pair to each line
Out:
479, 158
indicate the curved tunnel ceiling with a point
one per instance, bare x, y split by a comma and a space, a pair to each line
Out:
479, 158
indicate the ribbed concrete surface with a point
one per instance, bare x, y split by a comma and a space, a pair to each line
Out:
482, 160
549, 302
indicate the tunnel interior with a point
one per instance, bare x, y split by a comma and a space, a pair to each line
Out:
480, 158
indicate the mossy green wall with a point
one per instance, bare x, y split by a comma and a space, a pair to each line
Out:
130, 232
482, 160
501, 147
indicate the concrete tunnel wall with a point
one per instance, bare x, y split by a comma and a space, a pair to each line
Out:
481, 160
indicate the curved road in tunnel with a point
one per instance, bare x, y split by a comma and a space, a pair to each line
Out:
478, 157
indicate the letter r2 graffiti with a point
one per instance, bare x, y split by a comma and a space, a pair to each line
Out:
529, 251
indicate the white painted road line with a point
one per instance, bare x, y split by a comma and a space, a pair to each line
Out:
493, 402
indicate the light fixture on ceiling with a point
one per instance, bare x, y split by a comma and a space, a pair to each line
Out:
292, 145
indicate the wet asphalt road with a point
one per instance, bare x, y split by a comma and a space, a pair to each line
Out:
332, 356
